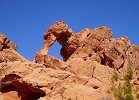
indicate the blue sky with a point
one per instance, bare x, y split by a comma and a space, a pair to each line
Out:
24, 21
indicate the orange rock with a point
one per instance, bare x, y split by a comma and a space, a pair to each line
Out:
85, 74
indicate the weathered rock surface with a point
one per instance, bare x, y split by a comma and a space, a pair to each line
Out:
8, 50
6, 43
85, 74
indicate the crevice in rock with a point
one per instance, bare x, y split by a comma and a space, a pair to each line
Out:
88, 34
86, 82
97, 79
117, 51
122, 65
95, 87
106, 61
102, 59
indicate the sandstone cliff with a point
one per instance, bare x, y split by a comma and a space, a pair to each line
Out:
89, 58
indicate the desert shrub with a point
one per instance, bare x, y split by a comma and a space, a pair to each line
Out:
122, 88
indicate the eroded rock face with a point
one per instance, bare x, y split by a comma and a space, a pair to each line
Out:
95, 45
8, 50
34, 81
85, 74
6, 43
13, 83
48, 61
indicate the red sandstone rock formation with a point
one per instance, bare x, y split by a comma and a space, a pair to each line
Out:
89, 59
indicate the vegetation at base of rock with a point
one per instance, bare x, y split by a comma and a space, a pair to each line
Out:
114, 76
123, 88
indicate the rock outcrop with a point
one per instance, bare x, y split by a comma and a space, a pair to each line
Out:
8, 50
6, 43
89, 58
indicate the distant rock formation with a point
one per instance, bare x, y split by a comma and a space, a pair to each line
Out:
89, 58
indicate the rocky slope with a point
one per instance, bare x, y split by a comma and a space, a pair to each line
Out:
89, 58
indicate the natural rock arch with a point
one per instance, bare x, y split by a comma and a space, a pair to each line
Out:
61, 32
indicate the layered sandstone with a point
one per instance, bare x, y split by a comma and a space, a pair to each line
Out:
89, 58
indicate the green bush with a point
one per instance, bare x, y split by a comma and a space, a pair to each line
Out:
124, 90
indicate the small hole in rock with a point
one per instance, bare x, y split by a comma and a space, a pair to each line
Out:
95, 87
85, 59
90, 55
51, 88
